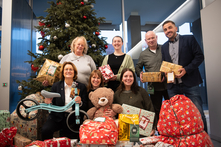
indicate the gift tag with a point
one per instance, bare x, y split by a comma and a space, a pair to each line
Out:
150, 89
134, 133
100, 119
170, 77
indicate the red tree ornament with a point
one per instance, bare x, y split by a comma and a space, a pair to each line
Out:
99, 23
41, 47
42, 34
59, 3
106, 46
41, 23
97, 33
84, 17
82, 3
48, 25
34, 68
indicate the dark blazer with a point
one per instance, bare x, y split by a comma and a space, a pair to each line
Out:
60, 101
190, 57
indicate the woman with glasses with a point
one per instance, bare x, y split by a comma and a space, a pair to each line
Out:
57, 120
84, 63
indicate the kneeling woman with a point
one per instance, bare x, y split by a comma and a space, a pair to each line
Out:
130, 93
57, 120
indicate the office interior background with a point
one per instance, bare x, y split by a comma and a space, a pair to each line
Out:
127, 18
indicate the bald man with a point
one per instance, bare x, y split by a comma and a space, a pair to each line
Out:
151, 59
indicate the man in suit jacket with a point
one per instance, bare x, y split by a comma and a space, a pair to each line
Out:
185, 51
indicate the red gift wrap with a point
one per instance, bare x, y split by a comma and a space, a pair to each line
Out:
36, 143
102, 133
6, 136
180, 123
106, 71
58, 142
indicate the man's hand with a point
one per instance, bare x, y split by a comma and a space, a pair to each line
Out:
182, 73
48, 100
141, 76
162, 79
113, 78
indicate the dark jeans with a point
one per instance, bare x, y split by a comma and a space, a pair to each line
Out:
193, 93
156, 99
52, 126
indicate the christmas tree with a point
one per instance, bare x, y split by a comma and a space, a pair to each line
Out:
66, 20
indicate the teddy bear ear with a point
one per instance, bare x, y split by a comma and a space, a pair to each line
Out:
90, 94
111, 91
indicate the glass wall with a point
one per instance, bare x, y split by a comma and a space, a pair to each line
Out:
0, 33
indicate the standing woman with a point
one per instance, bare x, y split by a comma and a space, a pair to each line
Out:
57, 120
117, 61
84, 63
131, 94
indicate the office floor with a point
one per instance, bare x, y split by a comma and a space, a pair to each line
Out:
215, 143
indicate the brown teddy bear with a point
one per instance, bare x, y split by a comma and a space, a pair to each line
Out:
102, 99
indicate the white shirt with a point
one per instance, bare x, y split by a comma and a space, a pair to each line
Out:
67, 96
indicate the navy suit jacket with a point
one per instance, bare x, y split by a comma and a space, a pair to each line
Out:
58, 87
190, 57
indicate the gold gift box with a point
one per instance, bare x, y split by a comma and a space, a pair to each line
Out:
170, 67
152, 77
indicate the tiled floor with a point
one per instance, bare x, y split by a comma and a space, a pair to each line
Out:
215, 143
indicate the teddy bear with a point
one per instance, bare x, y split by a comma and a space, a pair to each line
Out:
102, 99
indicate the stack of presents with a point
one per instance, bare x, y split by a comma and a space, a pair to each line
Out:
180, 125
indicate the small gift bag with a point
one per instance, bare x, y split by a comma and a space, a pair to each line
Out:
128, 127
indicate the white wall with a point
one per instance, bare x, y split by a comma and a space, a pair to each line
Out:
211, 22
5, 53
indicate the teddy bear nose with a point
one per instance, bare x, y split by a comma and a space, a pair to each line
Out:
102, 100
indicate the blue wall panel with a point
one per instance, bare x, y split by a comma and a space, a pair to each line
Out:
21, 42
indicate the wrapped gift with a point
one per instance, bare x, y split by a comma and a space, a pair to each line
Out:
152, 77
21, 141
50, 71
102, 131
180, 123
146, 118
162, 144
30, 129
106, 71
150, 140
58, 142
169, 67
4, 119
7, 136
124, 144
36, 143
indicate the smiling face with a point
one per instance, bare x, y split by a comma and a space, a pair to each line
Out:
128, 79
79, 47
117, 43
68, 71
95, 81
151, 40
170, 30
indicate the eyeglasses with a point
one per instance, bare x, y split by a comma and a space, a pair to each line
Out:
68, 69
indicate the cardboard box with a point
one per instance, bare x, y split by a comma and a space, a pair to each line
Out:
146, 118
21, 141
4, 119
106, 72
170, 67
58, 142
152, 77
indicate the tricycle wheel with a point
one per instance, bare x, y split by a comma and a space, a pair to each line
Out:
23, 105
71, 120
